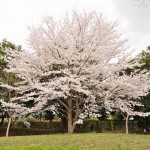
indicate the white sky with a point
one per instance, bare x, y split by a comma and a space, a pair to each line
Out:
16, 15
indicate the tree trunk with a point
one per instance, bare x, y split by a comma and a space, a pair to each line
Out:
70, 126
70, 120
8, 126
126, 124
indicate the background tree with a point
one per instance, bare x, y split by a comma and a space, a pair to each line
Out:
142, 2
124, 92
5, 77
49, 115
144, 59
8, 109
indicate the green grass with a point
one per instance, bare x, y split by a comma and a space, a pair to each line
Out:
93, 141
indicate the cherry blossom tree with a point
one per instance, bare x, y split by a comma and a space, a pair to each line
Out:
8, 78
124, 91
14, 111
70, 60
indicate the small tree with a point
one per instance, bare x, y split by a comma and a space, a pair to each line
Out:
49, 115
14, 111
124, 91
8, 110
144, 59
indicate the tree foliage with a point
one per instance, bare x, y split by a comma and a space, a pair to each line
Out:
144, 59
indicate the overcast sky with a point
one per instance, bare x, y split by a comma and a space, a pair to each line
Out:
16, 15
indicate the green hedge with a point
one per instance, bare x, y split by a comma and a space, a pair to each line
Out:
51, 126
87, 126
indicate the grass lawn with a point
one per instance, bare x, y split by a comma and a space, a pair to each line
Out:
93, 141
